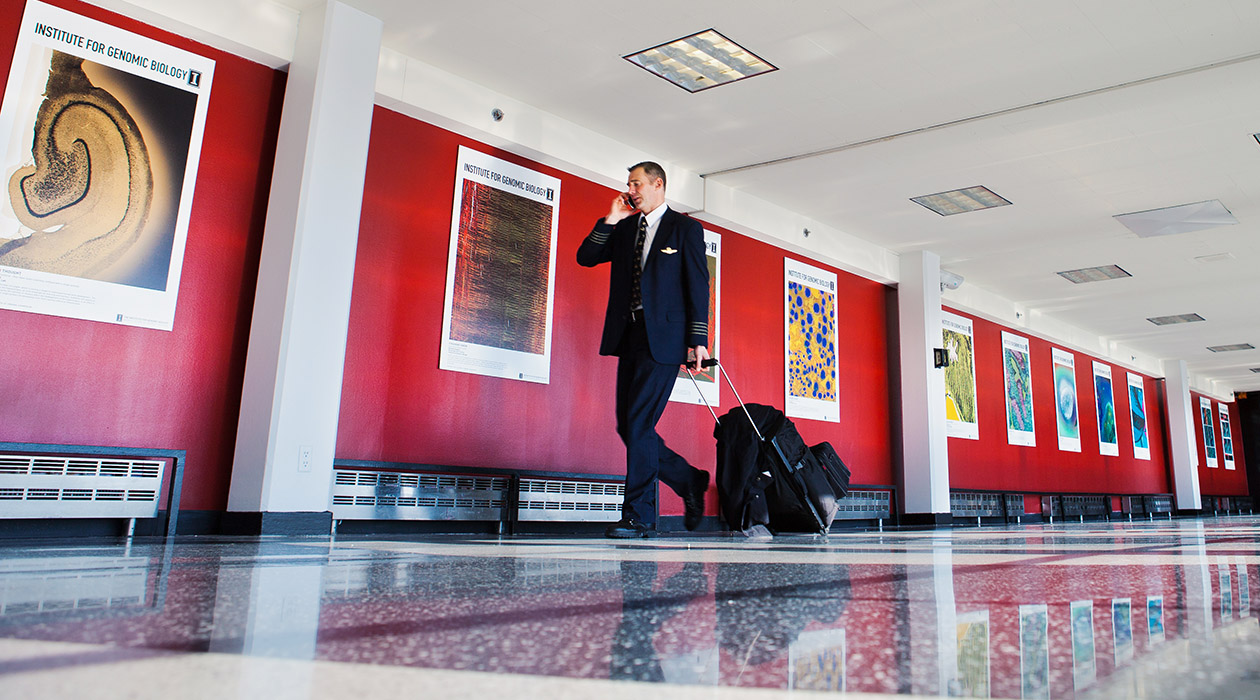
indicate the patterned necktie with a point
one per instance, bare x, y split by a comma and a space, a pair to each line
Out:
636, 293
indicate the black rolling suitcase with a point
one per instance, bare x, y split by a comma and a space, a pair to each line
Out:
798, 493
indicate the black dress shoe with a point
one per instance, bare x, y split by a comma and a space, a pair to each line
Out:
694, 500
628, 529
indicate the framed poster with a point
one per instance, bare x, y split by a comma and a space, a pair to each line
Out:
103, 133
706, 379
501, 270
1067, 417
1137, 416
1034, 652
1017, 375
1227, 437
812, 369
1105, 400
960, 377
1209, 430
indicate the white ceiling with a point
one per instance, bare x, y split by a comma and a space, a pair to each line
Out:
1073, 111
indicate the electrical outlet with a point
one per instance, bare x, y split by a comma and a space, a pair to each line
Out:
304, 458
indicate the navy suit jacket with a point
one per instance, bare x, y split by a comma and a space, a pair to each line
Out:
674, 285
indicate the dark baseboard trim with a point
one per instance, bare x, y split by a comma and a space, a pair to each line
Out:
926, 520
63, 528
417, 527
303, 523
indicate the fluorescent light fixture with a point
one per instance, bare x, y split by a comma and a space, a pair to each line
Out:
961, 201
701, 61
1184, 218
1094, 274
1231, 348
1180, 318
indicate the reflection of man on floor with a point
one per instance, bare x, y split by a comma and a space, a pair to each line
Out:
643, 613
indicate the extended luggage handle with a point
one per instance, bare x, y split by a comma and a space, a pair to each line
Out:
713, 362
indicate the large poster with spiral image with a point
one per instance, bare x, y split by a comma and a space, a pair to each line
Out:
812, 371
103, 133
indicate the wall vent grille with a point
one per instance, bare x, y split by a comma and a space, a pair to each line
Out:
965, 504
864, 505
41, 486
364, 494
569, 500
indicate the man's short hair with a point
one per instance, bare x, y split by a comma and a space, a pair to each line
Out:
652, 170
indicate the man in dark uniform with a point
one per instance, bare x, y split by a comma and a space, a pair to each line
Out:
657, 319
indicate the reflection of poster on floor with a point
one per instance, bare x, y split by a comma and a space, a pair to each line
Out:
812, 371
1209, 430
1122, 629
500, 273
1017, 372
1244, 592
972, 637
1155, 618
1084, 669
816, 661
960, 378
707, 379
1227, 592
1067, 418
1137, 416
102, 132
1105, 400
1227, 437
1034, 652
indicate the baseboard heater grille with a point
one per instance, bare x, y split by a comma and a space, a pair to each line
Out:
42, 486
865, 505
569, 500
364, 494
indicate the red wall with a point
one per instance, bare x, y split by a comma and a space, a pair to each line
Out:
398, 406
1219, 481
80, 382
991, 464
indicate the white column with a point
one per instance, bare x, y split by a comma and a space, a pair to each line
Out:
297, 340
1181, 440
925, 447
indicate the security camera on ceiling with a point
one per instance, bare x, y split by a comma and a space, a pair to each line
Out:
950, 280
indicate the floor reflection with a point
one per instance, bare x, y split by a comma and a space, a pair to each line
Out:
1144, 610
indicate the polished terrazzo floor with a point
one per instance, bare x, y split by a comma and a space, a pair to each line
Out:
1163, 609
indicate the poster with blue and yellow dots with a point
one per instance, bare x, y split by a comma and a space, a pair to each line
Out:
812, 368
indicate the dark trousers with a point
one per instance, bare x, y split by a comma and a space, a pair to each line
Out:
643, 388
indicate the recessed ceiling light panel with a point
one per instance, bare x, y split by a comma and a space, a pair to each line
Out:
1180, 318
701, 61
1231, 348
1094, 274
961, 201
1180, 219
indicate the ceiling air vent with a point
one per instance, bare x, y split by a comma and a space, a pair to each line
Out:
700, 61
1094, 274
1185, 218
1171, 320
1231, 348
961, 201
